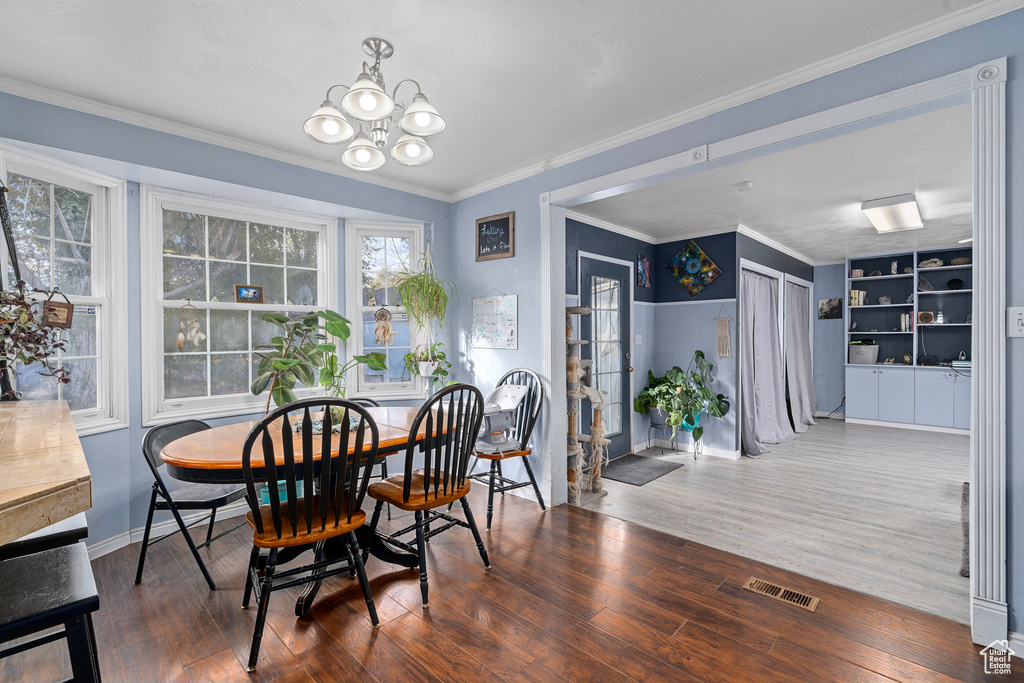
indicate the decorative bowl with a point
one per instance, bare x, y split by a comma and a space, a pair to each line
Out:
955, 283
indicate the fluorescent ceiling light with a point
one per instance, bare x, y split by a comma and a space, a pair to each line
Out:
893, 214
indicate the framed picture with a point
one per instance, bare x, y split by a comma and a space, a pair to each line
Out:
496, 237
694, 270
58, 314
643, 271
830, 309
248, 294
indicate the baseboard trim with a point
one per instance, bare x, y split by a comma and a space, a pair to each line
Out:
825, 416
1016, 641
167, 526
908, 425
988, 620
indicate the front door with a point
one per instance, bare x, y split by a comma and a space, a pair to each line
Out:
606, 288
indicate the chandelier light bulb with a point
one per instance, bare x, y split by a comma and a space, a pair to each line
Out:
328, 126
421, 118
362, 155
331, 127
413, 150
367, 101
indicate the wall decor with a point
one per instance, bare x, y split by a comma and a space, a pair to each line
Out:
248, 294
496, 322
188, 326
857, 272
643, 271
58, 313
925, 317
694, 270
383, 333
884, 300
830, 309
495, 237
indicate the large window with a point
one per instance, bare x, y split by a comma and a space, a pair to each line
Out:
376, 254
69, 234
205, 360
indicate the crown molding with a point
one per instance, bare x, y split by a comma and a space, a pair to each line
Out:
859, 55
611, 227
778, 246
108, 111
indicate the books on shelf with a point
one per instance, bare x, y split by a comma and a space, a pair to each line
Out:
907, 322
858, 296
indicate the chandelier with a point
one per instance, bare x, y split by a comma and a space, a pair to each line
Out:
368, 103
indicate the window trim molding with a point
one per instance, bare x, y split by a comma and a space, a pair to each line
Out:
155, 409
113, 263
355, 228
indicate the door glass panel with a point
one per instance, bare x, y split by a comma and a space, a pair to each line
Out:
604, 297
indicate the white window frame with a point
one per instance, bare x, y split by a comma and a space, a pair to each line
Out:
109, 249
418, 387
156, 409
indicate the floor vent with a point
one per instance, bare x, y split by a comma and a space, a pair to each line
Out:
781, 594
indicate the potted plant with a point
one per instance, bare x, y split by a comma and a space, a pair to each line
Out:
304, 354
682, 397
28, 336
425, 298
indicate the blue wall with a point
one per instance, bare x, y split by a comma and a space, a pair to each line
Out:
720, 248
829, 340
1002, 36
583, 237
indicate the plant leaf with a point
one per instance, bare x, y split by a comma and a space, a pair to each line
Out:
260, 384
282, 395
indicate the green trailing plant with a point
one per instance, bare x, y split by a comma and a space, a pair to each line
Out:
433, 355
28, 337
684, 395
425, 298
305, 354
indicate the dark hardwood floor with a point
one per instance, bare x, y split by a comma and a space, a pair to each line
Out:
573, 596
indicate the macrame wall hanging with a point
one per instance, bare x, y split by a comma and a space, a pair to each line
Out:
188, 327
724, 347
384, 333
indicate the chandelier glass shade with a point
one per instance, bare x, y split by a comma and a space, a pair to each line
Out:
373, 111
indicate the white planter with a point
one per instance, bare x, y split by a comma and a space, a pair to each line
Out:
426, 367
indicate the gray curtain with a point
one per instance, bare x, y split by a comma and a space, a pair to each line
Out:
802, 399
764, 418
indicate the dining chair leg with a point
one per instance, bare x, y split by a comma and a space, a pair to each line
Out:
191, 544
254, 558
82, 649
422, 549
374, 521
502, 475
261, 615
384, 475
471, 520
209, 529
533, 480
353, 544
490, 494
145, 536
472, 466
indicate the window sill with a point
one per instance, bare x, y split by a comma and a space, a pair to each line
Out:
93, 427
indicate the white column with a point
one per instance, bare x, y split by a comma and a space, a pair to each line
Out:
988, 398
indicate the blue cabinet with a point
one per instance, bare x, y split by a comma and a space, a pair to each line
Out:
880, 392
862, 392
962, 401
933, 397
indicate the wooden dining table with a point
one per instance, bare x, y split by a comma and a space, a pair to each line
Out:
214, 456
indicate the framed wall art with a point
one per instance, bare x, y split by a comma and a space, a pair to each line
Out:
496, 237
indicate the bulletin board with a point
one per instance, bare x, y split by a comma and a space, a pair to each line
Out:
496, 322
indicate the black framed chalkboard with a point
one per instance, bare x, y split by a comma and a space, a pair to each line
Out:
496, 237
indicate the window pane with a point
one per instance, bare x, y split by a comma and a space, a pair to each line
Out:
373, 253
33, 386
29, 205
72, 268
397, 371
184, 279
81, 392
272, 281
374, 288
223, 278
301, 247
173, 326
266, 244
229, 374
34, 257
82, 335
184, 233
229, 331
302, 287
184, 376
397, 249
72, 214
227, 239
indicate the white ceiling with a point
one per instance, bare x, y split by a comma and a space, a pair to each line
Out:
808, 198
522, 83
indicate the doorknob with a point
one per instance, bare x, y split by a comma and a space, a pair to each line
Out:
629, 368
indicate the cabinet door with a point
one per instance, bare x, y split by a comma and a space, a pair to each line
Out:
962, 401
896, 394
862, 392
933, 397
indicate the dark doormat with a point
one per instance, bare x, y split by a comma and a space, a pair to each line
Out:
637, 469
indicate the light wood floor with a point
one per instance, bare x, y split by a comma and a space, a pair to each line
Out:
874, 509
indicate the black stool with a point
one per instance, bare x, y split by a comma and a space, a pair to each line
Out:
65, 532
48, 589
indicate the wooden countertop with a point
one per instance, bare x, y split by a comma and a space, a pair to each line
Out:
44, 477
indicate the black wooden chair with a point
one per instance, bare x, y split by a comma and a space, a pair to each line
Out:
46, 590
456, 412
328, 506
186, 497
370, 403
525, 419
65, 532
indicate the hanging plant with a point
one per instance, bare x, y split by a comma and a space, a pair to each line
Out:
425, 298
29, 337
